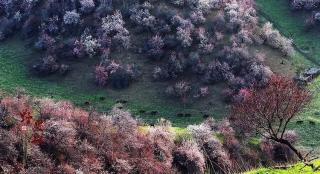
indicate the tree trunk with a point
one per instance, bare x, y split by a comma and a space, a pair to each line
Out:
296, 151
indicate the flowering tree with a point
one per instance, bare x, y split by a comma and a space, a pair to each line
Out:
180, 89
274, 39
142, 17
304, 4
216, 157
155, 47
119, 75
217, 72
87, 5
268, 111
188, 158
184, 30
90, 44
113, 26
71, 17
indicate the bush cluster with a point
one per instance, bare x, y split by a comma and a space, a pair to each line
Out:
120, 76
46, 136
205, 39
304, 4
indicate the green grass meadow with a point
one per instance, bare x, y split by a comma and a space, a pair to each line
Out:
295, 169
292, 25
143, 96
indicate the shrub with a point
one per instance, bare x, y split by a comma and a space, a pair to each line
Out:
195, 63
45, 42
90, 44
61, 135
155, 47
71, 18
205, 43
176, 65
164, 145
202, 92
113, 26
232, 14
204, 5
9, 154
87, 6
197, 17
188, 158
261, 74
217, 72
97, 146
240, 15
160, 73
38, 162
47, 66
216, 157
304, 4
177, 2
101, 74
180, 90
142, 17
31, 26
237, 83
52, 25
118, 75
274, 39
184, 30
184, 36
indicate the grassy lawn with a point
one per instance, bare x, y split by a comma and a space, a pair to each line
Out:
78, 87
292, 24
144, 96
296, 169
309, 130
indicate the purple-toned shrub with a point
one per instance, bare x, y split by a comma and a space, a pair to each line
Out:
71, 18
160, 73
89, 43
197, 17
180, 90
142, 17
87, 6
176, 65
120, 76
201, 92
188, 158
206, 44
184, 30
113, 26
304, 4
47, 66
155, 47
217, 72
217, 158
274, 39
45, 42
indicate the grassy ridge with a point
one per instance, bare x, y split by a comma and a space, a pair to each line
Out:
292, 25
296, 169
